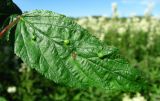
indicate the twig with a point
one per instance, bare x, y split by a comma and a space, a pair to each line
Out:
9, 26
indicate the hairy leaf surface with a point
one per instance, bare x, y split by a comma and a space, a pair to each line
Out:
66, 53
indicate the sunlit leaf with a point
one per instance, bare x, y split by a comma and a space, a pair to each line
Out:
66, 53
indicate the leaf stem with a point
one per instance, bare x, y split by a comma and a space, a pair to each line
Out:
9, 26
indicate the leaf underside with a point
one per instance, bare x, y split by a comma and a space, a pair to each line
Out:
40, 42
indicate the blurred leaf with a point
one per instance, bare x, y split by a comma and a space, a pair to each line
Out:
2, 99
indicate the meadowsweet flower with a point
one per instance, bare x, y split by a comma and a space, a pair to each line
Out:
24, 68
126, 98
106, 27
114, 6
102, 19
92, 19
135, 19
82, 21
149, 9
144, 25
115, 10
128, 20
157, 31
121, 31
138, 97
102, 36
11, 89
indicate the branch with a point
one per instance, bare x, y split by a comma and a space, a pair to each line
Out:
9, 26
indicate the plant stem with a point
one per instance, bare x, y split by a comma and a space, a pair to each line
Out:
9, 26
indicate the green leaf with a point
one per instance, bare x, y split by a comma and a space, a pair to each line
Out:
2, 99
66, 53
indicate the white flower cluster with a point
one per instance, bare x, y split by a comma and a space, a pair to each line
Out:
11, 89
135, 25
121, 30
115, 13
24, 68
148, 11
138, 97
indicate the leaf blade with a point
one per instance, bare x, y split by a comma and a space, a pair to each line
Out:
75, 64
